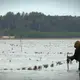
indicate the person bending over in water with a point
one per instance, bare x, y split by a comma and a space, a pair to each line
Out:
76, 55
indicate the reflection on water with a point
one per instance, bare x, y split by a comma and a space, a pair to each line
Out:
79, 75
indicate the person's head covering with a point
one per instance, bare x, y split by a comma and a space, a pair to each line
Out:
77, 44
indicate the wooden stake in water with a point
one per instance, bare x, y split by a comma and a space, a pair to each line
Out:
21, 43
67, 63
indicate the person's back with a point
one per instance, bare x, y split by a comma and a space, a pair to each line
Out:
76, 55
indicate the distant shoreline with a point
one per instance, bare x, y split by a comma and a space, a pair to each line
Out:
37, 38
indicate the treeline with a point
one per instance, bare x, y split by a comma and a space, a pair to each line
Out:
21, 24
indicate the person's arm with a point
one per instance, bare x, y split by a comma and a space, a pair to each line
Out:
73, 56
76, 53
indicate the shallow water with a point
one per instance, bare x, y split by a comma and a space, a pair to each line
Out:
41, 75
28, 53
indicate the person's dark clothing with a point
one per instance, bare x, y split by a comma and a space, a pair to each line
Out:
76, 56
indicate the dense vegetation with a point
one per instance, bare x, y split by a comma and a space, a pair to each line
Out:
37, 24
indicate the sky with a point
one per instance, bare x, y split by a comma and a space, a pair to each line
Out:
48, 7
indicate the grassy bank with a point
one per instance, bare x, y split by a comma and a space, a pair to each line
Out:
49, 34
36, 34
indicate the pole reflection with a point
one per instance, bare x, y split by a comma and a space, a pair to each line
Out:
79, 75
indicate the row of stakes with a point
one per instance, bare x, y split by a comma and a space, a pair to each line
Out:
36, 67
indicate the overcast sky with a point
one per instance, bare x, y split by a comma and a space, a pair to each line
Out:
48, 7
